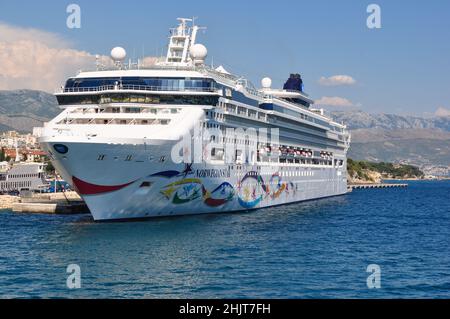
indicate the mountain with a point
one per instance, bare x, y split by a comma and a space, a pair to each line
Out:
397, 138
21, 110
362, 120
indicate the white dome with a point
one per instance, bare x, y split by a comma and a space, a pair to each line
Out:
198, 52
118, 54
266, 83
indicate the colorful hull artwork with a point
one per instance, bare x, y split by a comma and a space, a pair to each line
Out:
189, 189
250, 190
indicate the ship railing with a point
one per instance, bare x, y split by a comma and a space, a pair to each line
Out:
131, 87
296, 91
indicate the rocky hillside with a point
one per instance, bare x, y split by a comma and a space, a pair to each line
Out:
369, 172
21, 110
362, 120
396, 138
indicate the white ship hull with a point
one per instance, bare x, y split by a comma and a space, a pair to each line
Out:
142, 189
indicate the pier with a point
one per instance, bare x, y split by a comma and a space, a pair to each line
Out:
379, 185
56, 203
51, 208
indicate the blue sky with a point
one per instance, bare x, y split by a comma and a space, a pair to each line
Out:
401, 68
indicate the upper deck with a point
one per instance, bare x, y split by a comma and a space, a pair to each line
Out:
184, 79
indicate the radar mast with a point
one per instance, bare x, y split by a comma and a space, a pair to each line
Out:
181, 39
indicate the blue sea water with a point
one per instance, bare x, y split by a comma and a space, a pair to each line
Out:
317, 249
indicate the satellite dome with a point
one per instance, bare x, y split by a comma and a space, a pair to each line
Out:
198, 52
118, 54
266, 83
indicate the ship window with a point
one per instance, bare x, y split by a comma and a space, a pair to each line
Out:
132, 110
157, 84
127, 98
60, 148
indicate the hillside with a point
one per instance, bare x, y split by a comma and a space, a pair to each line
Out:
396, 138
364, 171
362, 120
21, 110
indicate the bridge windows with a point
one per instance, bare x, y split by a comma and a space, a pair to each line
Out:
154, 83
137, 98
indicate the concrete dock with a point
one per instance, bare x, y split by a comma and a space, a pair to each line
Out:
54, 203
51, 208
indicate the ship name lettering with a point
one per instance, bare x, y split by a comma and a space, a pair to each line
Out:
213, 173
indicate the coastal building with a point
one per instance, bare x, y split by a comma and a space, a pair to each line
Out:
11, 139
28, 155
22, 176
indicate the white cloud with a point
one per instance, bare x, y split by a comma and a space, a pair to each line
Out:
334, 101
149, 61
35, 59
13, 34
442, 112
40, 60
337, 80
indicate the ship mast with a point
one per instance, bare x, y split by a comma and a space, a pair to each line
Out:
182, 38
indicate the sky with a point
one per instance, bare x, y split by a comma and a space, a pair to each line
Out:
402, 67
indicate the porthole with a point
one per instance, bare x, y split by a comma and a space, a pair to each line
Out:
60, 148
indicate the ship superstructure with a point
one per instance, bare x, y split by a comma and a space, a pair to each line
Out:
116, 135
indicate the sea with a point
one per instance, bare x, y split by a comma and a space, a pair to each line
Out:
376, 243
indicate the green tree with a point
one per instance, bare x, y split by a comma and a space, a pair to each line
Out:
49, 168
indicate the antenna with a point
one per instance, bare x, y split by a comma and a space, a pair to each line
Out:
97, 62
182, 48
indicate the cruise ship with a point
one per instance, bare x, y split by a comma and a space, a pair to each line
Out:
182, 137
